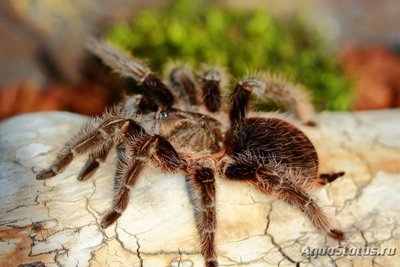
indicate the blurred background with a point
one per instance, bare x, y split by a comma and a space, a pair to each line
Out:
345, 52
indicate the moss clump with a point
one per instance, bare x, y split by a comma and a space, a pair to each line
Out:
242, 41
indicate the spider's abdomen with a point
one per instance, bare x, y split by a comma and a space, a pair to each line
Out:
276, 144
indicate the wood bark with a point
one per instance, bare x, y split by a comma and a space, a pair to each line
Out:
56, 222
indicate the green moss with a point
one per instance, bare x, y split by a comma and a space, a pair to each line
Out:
242, 41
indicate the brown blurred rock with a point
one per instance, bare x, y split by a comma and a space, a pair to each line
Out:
376, 72
44, 40
42, 53
85, 98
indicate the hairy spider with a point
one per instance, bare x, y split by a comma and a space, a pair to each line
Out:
180, 132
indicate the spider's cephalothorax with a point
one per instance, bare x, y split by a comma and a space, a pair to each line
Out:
179, 131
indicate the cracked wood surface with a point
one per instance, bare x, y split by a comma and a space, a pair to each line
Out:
56, 222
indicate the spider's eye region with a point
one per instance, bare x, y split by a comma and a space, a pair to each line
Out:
163, 114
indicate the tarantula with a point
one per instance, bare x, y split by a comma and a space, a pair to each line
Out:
177, 131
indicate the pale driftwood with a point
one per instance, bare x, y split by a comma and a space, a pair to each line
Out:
56, 222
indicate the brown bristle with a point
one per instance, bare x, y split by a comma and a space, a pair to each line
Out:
211, 83
239, 100
183, 80
162, 93
201, 184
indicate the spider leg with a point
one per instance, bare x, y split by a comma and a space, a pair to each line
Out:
93, 138
129, 107
201, 184
184, 83
294, 195
139, 148
125, 179
136, 104
268, 181
295, 100
133, 68
94, 160
210, 85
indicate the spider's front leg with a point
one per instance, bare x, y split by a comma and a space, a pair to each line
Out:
93, 163
97, 137
129, 107
139, 148
296, 100
142, 148
201, 184
183, 83
210, 84
124, 64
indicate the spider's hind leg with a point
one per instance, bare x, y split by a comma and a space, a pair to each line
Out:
296, 196
280, 160
271, 183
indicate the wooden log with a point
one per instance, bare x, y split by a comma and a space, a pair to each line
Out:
56, 222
